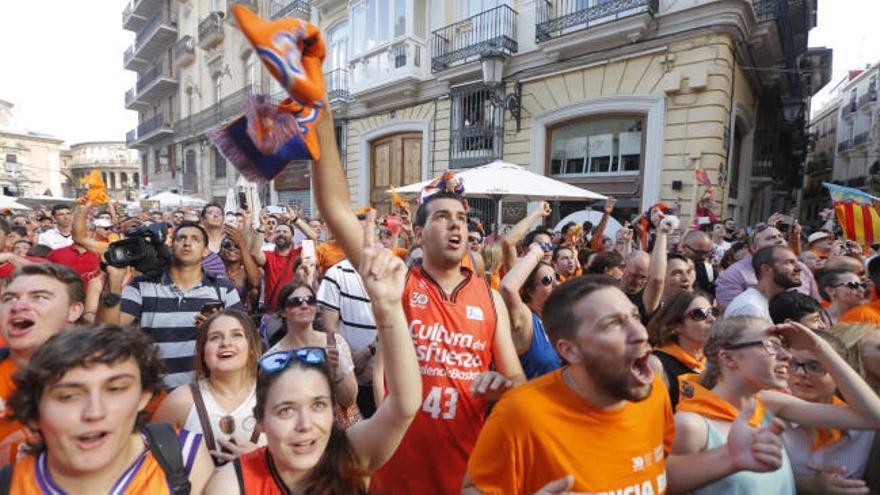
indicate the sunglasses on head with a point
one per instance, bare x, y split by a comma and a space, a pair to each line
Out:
297, 301
546, 280
700, 314
278, 361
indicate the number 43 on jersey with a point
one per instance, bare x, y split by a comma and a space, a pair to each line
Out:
435, 405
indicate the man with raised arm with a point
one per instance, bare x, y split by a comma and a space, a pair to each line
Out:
454, 325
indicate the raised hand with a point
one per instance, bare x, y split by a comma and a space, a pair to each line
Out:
332, 354
754, 449
490, 385
609, 205
545, 209
797, 336
383, 273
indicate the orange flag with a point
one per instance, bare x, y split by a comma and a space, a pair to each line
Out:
398, 201
97, 192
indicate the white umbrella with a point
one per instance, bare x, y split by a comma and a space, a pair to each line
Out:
170, 200
9, 202
503, 181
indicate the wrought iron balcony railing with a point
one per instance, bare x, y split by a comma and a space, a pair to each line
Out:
869, 97
558, 17
766, 10
156, 122
184, 48
163, 16
843, 145
763, 168
211, 29
492, 32
289, 8
250, 4
129, 96
848, 109
131, 136
337, 84
216, 114
158, 70
860, 138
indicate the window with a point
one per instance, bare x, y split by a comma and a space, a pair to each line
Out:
338, 47
218, 89
156, 160
597, 146
475, 128
250, 73
123, 180
11, 158
135, 177
112, 180
372, 22
219, 165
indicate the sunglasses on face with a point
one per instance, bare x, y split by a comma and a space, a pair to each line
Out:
546, 246
771, 346
811, 368
297, 301
853, 285
547, 280
278, 361
700, 314
474, 239
228, 244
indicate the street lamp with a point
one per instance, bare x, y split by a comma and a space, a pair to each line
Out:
493, 74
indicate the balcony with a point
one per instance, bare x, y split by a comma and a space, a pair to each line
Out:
152, 86
762, 170
251, 5
130, 20
766, 10
860, 139
289, 8
867, 99
184, 51
227, 109
394, 68
153, 129
556, 18
848, 109
131, 62
337, 85
130, 137
156, 36
492, 32
844, 146
211, 30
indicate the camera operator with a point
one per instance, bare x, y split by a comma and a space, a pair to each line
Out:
168, 305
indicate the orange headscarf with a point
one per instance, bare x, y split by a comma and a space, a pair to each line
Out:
686, 359
698, 399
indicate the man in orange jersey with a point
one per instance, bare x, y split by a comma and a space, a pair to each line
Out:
455, 327
41, 300
86, 390
603, 423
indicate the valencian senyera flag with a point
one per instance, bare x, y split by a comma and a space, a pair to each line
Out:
856, 213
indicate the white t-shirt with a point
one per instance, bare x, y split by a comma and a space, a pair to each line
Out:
718, 251
749, 303
55, 239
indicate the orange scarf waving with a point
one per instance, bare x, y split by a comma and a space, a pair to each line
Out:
686, 359
698, 399
828, 436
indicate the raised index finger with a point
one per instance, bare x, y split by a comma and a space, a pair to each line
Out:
370, 229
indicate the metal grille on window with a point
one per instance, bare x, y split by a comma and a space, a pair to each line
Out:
476, 128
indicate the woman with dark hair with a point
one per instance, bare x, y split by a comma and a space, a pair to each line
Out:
307, 451
220, 403
241, 268
297, 307
86, 392
746, 374
524, 289
678, 332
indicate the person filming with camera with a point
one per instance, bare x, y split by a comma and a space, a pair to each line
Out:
168, 303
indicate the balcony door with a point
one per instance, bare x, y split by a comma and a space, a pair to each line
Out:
397, 160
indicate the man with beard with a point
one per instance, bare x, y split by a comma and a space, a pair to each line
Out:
777, 270
459, 336
277, 264
582, 428
697, 247
564, 262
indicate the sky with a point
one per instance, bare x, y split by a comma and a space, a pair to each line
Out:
67, 78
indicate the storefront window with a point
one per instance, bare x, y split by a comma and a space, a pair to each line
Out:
597, 146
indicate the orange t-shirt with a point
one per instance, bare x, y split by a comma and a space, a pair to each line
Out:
866, 313
31, 476
543, 431
453, 336
13, 435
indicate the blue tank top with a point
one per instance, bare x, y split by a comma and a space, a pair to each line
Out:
779, 482
541, 357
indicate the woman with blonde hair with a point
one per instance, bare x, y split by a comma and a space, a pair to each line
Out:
862, 342
493, 255
747, 367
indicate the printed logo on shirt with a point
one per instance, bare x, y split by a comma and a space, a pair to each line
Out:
418, 300
474, 313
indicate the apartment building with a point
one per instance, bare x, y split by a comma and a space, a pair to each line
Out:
118, 165
858, 141
820, 165
623, 97
32, 162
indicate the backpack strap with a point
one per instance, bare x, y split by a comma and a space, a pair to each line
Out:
215, 283
6, 479
202, 411
166, 449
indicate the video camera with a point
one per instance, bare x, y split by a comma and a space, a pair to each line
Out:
143, 249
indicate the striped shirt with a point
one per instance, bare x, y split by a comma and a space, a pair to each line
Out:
168, 315
342, 291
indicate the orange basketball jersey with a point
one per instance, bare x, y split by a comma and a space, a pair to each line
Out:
453, 335
30, 476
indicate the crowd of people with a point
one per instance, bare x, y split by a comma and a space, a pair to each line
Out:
263, 352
